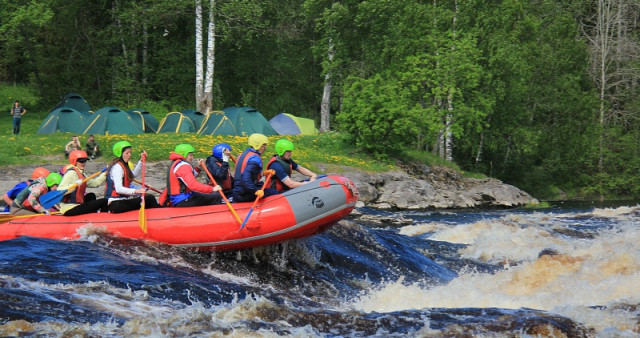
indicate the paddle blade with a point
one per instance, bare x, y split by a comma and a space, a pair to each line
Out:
142, 217
6, 217
246, 219
52, 198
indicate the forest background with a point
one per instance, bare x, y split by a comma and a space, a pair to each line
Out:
540, 94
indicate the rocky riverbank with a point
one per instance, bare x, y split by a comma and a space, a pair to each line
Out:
419, 186
416, 186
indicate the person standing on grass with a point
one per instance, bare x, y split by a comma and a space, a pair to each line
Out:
17, 112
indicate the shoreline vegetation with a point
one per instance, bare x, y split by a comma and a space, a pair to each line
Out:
325, 153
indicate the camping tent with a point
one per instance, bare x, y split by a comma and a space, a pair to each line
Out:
112, 120
149, 123
176, 122
63, 119
248, 120
217, 123
195, 116
287, 124
75, 101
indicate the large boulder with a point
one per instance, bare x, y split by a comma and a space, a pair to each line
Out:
422, 187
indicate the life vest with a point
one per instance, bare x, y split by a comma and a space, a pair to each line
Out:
226, 184
64, 169
110, 188
78, 196
175, 185
22, 200
243, 159
288, 168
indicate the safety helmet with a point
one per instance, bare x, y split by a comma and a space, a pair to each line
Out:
76, 155
257, 140
282, 146
39, 172
184, 149
53, 179
118, 148
218, 149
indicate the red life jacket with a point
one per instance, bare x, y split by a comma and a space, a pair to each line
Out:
110, 188
174, 185
243, 159
78, 197
275, 181
227, 181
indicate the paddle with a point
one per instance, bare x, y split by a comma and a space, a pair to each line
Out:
142, 217
266, 183
204, 166
54, 197
148, 186
6, 218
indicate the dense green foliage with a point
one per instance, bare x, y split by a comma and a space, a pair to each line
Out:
512, 82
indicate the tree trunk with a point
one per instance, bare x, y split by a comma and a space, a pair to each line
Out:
145, 50
325, 106
207, 96
199, 61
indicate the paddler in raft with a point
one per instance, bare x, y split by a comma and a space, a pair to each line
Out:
10, 195
121, 195
28, 200
284, 165
246, 180
218, 165
183, 188
77, 202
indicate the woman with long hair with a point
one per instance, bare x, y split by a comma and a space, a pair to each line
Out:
122, 196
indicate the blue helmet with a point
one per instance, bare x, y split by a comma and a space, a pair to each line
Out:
218, 149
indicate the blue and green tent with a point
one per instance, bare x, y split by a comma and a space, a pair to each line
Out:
287, 124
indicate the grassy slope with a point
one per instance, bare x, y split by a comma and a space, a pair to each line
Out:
31, 148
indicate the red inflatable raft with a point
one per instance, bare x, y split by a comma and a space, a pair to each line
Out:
297, 213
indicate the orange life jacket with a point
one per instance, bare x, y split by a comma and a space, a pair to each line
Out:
78, 196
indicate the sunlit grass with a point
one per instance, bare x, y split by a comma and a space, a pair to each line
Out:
328, 150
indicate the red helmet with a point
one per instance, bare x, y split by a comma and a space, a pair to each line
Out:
77, 154
39, 172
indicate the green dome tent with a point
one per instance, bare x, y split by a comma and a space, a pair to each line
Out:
112, 120
195, 116
248, 121
176, 122
287, 124
63, 119
217, 123
148, 122
75, 101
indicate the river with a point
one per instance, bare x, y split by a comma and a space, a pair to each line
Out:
564, 271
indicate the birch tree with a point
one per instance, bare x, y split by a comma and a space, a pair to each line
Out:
204, 77
614, 53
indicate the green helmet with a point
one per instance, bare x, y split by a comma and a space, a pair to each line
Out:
184, 149
53, 179
119, 147
282, 146
257, 140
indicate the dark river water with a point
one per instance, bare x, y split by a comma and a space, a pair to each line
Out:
570, 270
